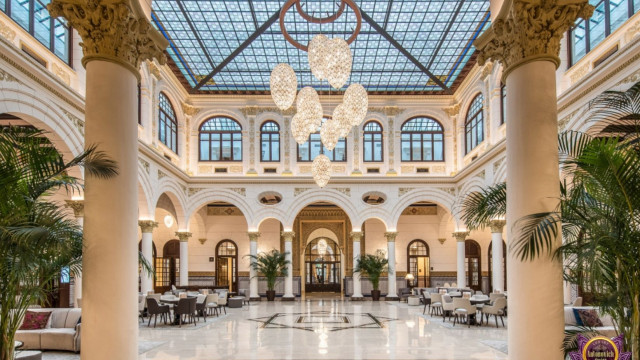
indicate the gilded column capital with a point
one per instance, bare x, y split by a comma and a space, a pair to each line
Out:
391, 236
183, 236
356, 235
77, 206
147, 226
497, 225
460, 236
288, 235
253, 235
529, 30
112, 31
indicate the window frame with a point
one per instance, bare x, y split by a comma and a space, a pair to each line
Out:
162, 116
422, 133
270, 141
323, 150
471, 119
221, 132
373, 142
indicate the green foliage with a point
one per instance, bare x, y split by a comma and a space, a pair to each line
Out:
38, 238
271, 265
372, 266
479, 208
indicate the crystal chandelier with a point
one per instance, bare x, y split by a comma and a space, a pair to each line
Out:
339, 64
283, 84
309, 108
341, 118
318, 56
321, 170
329, 134
298, 129
357, 103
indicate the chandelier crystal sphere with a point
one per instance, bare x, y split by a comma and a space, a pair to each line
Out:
329, 134
321, 170
283, 85
318, 55
342, 120
339, 66
309, 108
299, 130
357, 103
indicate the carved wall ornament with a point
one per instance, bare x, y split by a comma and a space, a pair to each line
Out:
497, 225
481, 175
76, 121
404, 190
497, 164
7, 32
288, 236
527, 30
298, 191
487, 69
193, 191
161, 174
633, 31
460, 236
241, 191
147, 226
253, 235
633, 78
387, 110
153, 69
5, 76
145, 164
190, 110
61, 73
184, 189
391, 236
442, 240
236, 169
449, 190
452, 110
305, 169
580, 72
202, 241
111, 31
183, 236
77, 206
346, 191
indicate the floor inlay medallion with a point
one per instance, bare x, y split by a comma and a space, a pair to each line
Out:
327, 320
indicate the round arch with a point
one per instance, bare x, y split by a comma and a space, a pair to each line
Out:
208, 196
436, 196
325, 195
473, 259
227, 264
322, 259
418, 262
178, 203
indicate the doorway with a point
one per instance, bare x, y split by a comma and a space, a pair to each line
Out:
322, 265
419, 265
472, 265
227, 265
168, 266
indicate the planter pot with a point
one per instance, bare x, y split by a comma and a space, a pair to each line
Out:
271, 295
375, 295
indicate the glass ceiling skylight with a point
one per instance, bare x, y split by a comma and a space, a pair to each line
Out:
204, 34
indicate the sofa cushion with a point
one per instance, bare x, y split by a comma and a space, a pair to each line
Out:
58, 339
576, 316
58, 318
608, 331
73, 318
30, 338
589, 317
34, 320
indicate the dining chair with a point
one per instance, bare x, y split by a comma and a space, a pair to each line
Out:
497, 309
212, 304
185, 309
222, 300
201, 306
447, 306
154, 309
436, 303
426, 299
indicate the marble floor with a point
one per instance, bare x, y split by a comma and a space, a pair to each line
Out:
318, 328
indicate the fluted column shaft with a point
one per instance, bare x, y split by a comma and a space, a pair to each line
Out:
392, 294
288, 282
461, 277
184, 236
146, 227
497, 256
357, 286
253, 278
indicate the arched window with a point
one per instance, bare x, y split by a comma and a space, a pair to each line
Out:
418, 264
270, 141
167, 124
473, 266
309, 150
220, 140
474, 124
422, 140
227, 265
372, 142
322, 263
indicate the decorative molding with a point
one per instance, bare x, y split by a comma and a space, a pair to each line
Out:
153, 69
633, 78
407, 169
580, 72
77, 206
442, 240
460, 236
391, 236
202, 241
76, 121
346, 191
338, 168
5, 76
487, 69
288, 236
449, 190
529, 30
452, 110
189, 110
305, 169
224, 211
257, 110
482, 174
241, 191
633, 31
298, 191
387, 110
438, 169
111, 31
497, 225
7, 32
404, 190
253, 235
420, 210
61, 73
236, 169
356, 235
184, 189
161, 174
183, 236
147, 226
193, 191
496, 165
145, 164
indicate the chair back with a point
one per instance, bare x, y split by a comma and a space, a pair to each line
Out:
211, 298
435, 298
141, 302
494, 296
173, 287
425, 294
152, 305
222, 298
479, 292
201, 298
447, 285
183, 307
500, 303
466, 295
154, 296
192, 304
459, 303
577, 301
446, 298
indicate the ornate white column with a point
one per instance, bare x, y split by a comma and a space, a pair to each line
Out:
392, 294
525, 38
78, 212
146, 227
288, 282
250, 113
497, 274
253, 278
461, 273
184, 236
116, 37
357, 287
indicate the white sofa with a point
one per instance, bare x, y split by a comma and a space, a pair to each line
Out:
570, 323
61, 333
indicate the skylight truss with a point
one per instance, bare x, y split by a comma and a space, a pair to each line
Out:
231, 46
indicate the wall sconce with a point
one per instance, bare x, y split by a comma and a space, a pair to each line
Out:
202, 241
442, 240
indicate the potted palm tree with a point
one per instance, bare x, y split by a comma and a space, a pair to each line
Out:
38, 238
271, 265
373, 266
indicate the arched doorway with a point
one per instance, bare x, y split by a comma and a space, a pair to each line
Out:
154, 256
168, 266
418, 264
472, 253
227, 265
322, 265
504, 265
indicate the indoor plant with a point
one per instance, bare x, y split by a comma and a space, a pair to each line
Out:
271, 265
38, 238
373, 266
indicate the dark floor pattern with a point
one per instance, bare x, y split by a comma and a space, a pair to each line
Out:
331, 321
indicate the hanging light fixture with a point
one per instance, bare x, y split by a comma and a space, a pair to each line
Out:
309, 108
298, 129
321, 170
283, 84
339, 66
318, 56
322, 247
341, 118
329, 134
357, 103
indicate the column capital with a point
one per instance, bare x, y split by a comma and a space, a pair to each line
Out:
497, 225
112, 31
288, 235
356, 235
147, 226
253, 235
460, 235
183, 236
529, 30
391, 236
77, 206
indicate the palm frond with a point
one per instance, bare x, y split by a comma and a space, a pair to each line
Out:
479, 208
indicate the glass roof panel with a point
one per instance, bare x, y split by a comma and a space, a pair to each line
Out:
205, 34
